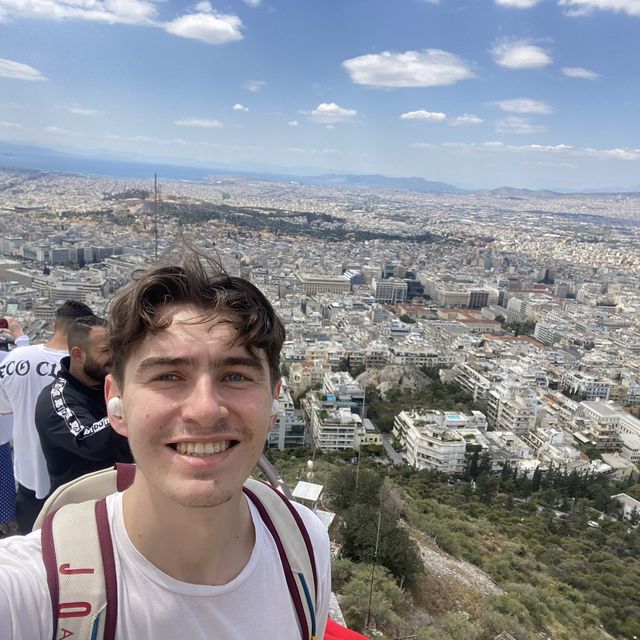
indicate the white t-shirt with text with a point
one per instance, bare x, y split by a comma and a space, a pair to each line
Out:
24, 373
6, 422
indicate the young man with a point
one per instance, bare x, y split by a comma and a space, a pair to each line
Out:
195, 373
11, 337
23, 375
71, 413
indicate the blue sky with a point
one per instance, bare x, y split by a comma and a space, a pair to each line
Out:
483, 93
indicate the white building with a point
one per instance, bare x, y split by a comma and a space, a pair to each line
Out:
429, 446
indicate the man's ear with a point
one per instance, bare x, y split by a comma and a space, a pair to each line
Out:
115, 406
76, 354
275, 395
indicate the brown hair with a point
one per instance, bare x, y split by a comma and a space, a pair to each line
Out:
139, 310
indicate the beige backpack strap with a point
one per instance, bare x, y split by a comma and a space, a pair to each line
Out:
294, 547
78, 556
91, 486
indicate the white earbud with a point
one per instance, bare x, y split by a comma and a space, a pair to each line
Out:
115, 406
275, 407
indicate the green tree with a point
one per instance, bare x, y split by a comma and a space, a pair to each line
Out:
388, 601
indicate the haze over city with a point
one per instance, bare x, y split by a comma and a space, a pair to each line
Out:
511, 92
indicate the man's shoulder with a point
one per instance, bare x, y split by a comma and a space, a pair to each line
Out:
22, 556
25, 603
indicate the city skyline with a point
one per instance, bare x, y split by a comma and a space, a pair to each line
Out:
519, 92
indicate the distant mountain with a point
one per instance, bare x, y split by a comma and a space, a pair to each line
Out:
382, 182
107, 163
511, 192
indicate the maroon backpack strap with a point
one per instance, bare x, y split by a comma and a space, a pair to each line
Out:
286, 566
108, 562
125, 473
303, 532
81, 575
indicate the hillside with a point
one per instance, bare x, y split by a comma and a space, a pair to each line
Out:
457, 560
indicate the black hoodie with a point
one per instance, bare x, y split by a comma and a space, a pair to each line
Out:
74, 430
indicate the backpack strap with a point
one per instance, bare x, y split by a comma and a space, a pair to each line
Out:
294, 547
78, 555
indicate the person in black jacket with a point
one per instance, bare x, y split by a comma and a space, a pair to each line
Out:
71, 413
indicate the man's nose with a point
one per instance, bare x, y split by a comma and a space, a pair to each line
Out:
205, 405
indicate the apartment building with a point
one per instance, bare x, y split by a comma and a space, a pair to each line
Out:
428, 445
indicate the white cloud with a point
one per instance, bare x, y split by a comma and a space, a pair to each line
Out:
240, 107
210, 27
254, 85
520, 54
78, 110
107, 11
199, 122
428, 68
545, 148
18, 71
465, 119
203, 24
614, 154
424, 115
253, 3
517, 4
331, 113
58, 131
557, 151
583, 7
579, 72
10, 125
146, 139
524, 105
514, 124
293, 123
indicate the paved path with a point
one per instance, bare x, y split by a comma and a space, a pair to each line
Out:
392, 454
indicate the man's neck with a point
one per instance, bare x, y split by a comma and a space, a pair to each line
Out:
197, 545
57, 342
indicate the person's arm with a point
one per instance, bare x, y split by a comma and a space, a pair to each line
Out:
65, 423
15, 329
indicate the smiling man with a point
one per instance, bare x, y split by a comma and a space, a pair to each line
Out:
194, 378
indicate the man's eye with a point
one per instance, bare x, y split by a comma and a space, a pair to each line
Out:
166, 377
235, 377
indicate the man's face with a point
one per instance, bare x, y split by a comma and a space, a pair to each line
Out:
196, 410
97, 357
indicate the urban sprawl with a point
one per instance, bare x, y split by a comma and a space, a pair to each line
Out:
528, 301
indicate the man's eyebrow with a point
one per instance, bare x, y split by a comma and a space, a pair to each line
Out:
154, 362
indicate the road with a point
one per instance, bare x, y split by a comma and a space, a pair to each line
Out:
392, 454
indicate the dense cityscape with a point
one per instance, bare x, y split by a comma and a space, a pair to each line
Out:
523, 307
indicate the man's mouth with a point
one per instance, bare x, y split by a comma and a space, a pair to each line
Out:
203, 448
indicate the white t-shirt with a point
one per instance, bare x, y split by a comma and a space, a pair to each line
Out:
6, 422
24, 373
152, 604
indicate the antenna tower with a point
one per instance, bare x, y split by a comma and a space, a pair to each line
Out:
155, 211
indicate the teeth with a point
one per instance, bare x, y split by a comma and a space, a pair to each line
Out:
202, 448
